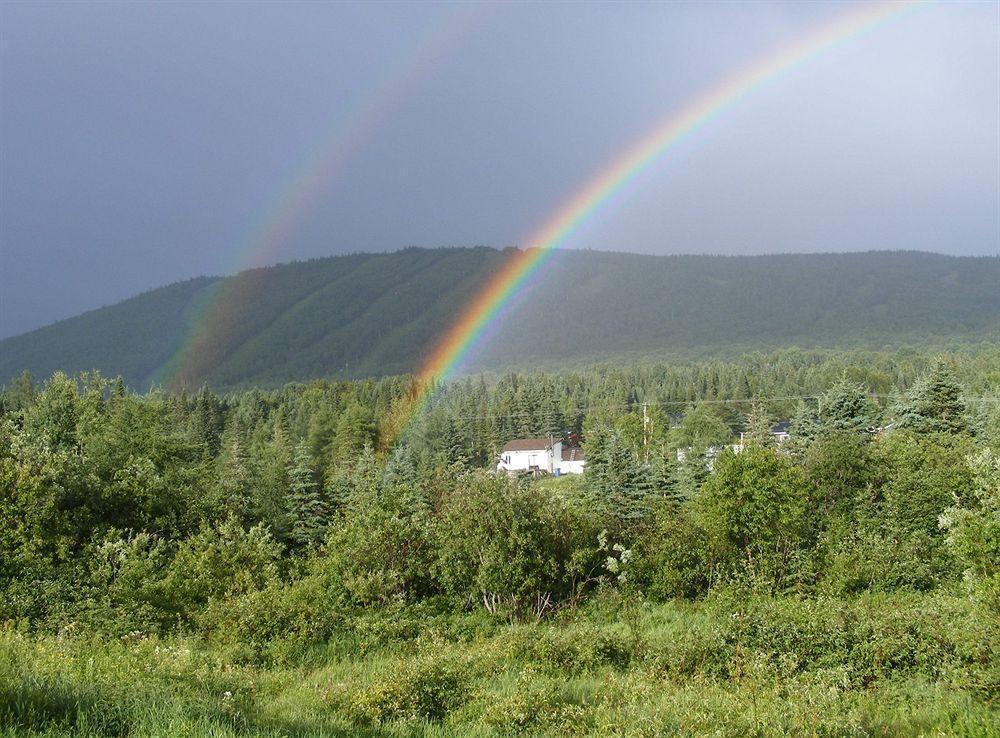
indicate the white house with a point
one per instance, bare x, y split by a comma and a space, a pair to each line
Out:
540, 456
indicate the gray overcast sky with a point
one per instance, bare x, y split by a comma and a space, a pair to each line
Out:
141, 142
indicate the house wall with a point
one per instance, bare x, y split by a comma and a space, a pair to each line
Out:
546, 460
572, 467
523, 460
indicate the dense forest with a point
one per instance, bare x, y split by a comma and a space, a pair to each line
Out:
379, 314
305, 560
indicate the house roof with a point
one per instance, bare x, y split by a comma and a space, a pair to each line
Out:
782, 426
527, 444
572, 454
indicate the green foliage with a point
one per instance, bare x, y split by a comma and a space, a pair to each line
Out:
513, 549
933, 404
175, 564
894, 540
222, 562
673, 555
308, 511
753, 509
902, 664
703, 426
427, 688
617, 477
381, 551
974, 531
847, 407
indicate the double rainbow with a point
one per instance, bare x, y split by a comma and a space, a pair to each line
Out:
219, 317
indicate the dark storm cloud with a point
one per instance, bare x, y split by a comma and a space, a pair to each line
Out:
141, 143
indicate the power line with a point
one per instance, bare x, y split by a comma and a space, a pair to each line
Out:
674, 403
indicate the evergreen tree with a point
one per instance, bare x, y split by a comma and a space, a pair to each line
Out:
805, 425
619, 479
846, 406
401, 468
207, 422
307, 509
272, 457
355, 430
20, 394
758, 426
934, 404
235, 483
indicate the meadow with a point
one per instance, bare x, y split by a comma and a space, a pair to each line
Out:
875, 665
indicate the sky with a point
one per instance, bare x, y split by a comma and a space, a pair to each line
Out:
145, 143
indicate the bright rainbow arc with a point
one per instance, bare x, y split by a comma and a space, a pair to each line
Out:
461, 339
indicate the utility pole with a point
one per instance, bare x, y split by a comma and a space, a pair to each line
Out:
645, 432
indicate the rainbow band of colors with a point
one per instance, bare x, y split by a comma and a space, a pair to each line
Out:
298, 192
485, 308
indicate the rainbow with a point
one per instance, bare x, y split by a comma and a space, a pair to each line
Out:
217, 319
485, 309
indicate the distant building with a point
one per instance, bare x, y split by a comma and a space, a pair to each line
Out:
781, 431
540, 456
779, 434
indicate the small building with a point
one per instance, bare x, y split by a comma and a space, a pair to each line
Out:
779, 435
540, 456
573, 460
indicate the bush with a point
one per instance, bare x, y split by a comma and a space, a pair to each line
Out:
427, 688
517, 551
974, 530
273, 622
672, 555
126, 584
753, 509
381, 551
219, 563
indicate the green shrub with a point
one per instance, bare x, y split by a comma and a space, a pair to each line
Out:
515, 550
974, 530
672, 555
427, 688
530, 705
381, 551
753, 509
280, 618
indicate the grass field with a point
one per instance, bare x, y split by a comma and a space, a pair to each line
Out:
905, 664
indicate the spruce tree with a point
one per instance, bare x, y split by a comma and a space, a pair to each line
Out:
234, 479
307, 509
847, 407
620, 480
758, 426
934, 403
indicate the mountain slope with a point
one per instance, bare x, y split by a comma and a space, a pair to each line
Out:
370, 314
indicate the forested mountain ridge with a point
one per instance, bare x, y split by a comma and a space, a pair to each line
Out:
376, 314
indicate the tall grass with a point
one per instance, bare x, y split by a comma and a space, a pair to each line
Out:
904, 664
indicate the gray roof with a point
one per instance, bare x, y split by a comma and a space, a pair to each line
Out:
527, 444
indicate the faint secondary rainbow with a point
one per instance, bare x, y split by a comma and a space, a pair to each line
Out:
480, 314
304, 184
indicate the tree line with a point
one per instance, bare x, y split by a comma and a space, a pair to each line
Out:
260, 514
